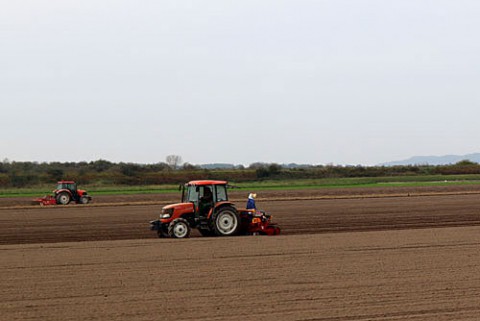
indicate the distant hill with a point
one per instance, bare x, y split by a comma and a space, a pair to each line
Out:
217, 166
233, 166
435, 160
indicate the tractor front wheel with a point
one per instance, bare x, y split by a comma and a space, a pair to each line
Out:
226, 222
63, 198
179, 228
84, 200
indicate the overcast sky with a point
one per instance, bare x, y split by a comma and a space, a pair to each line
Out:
332, 81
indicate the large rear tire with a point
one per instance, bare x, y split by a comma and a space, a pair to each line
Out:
63, 198
179, 229
226, 222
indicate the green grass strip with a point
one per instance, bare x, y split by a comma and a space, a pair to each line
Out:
354, 182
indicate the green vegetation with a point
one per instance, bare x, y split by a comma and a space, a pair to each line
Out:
103, 177
264, 185
38, 191
352, 182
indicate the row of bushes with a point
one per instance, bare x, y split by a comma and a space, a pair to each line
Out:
101, 172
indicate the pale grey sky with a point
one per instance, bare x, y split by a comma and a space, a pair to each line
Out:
333, 81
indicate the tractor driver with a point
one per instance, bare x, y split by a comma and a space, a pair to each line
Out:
206, 202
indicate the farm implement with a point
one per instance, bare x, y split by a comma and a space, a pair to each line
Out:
65, 193
205, 206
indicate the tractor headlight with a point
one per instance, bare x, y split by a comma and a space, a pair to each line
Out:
166, 213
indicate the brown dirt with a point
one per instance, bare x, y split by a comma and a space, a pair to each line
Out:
102, 262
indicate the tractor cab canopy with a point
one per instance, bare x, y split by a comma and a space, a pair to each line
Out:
70, 185
194, 191
206, 182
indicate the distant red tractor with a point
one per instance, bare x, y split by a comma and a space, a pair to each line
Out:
65, 193
205, 206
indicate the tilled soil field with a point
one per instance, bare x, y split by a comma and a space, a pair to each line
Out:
401, 254
297, 212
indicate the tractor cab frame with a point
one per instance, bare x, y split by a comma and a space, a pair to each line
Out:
205, 196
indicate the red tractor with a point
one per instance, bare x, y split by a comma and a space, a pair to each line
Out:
65, 193
205, 206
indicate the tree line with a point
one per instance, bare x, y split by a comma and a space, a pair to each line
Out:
103, 172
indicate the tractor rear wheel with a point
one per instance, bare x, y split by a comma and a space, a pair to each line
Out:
179, 228
63, 198
226, 222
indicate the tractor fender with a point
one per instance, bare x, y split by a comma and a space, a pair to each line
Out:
58, 191
218, 206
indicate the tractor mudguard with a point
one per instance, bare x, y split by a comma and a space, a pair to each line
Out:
62, 190
218, 205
